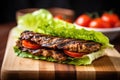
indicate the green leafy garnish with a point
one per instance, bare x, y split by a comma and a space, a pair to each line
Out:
85, 60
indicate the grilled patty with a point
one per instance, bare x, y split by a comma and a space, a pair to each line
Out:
54, 46
47, 41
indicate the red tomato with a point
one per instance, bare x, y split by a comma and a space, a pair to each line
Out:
63, 17
110, 18
117, 24
69, 20
30, 45
96, 23
58, 17
99, 23
106, 25
73, 54
83, 20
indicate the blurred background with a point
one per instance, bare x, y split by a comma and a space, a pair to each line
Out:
9, 7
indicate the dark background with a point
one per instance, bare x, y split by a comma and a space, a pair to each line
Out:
8, 8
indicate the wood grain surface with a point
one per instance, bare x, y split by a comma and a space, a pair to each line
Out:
17, 68
4, 31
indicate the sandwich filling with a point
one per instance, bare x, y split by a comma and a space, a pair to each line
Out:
56, 47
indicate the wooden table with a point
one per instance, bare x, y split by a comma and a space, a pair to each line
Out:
4, 31
6, 27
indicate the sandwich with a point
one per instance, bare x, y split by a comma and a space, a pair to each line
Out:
61, 44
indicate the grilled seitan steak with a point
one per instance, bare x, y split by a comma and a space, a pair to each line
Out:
54, 46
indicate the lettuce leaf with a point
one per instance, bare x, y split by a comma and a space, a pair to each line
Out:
20, 53
85, 60
42, 21
31, 21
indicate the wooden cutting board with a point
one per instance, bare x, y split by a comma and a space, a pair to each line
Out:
17, 68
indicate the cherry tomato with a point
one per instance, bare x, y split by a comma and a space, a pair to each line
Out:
73, 54
58, 17
69, 20
83, 20
96, 23
63, 17
110, 18
106, 25
117, 24
29, 44
99, 23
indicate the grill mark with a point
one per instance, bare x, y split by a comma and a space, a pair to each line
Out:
52, 43
64, 43
56, 54
74, 45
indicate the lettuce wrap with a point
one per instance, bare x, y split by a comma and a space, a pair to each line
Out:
42, 21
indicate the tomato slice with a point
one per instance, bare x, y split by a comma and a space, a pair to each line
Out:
73, 54
29, 44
